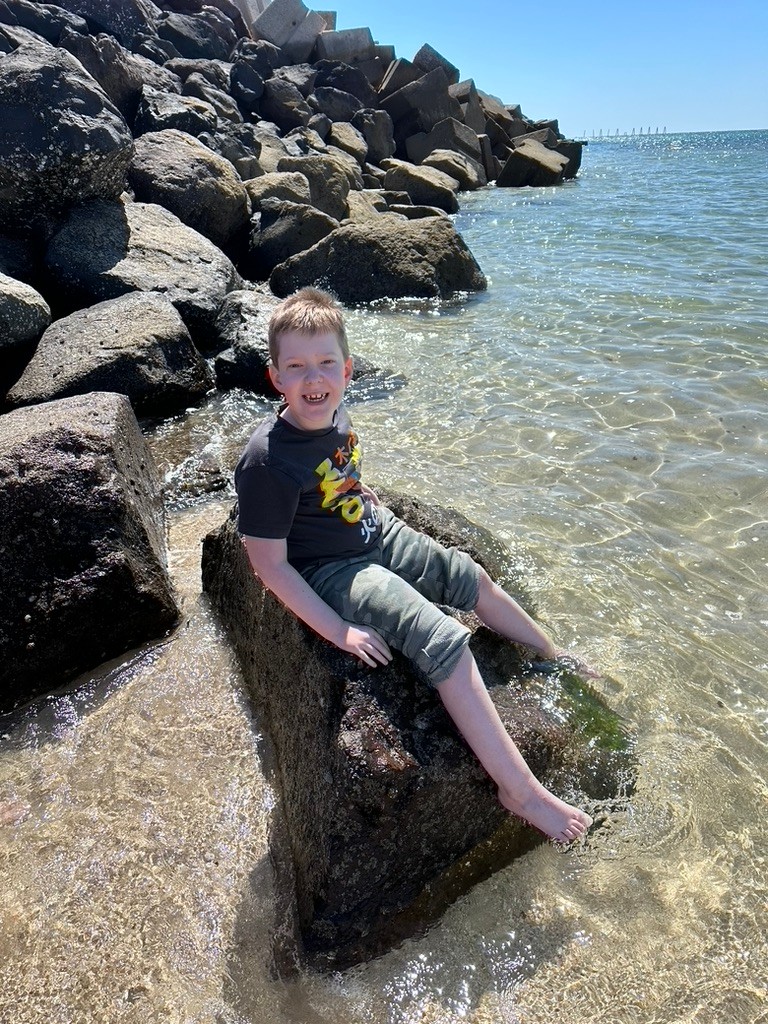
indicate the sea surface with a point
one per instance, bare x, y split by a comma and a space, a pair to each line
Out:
602, 408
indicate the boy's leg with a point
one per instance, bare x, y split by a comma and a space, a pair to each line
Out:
467, 702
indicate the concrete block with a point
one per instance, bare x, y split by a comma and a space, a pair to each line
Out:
329, 18
427, 59
302, 42
544, 135
532, 164
350, 45
251, 10
399, 73
279, 21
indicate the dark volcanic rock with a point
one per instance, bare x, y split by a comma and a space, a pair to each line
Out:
334, 103
24, 314
242, 326
217, 72
334, 74
387, 815
238, 143
176, 171
283, 103
62, 142
160, 110
107, 249
82, 557
285, 229
376, 128
136, 345
196, 36
121, 18
226, 109
114, 68
46, 20
385, 258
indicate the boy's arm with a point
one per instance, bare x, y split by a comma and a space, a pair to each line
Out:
269, 562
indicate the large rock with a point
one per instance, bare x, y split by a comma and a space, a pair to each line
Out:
136, 345
82, 557
226, 108
346, 137
336, 104
24, 314
376, 128
285, 229
328, 181
446, 134
335, 74
531, 163
427, 59
107, 249
385, 815
286, 185
385, 258
469, 173
210, 36
123, 19
114, 68
238, 143
63, 141
284, 104
159, 110
426, 186
45, 20
242, 326
419, 106
177, 171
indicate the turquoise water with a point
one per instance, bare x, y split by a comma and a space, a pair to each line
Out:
603, 409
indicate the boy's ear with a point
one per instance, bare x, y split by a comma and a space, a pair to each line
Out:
348, 368
274, 376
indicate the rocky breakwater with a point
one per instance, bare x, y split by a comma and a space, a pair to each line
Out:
385, 816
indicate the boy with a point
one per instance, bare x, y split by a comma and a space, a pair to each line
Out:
318, 538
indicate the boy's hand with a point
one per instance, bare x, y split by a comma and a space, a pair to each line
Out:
577, 664
365, 643
371, 495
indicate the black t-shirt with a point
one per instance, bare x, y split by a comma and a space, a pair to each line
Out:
304, 485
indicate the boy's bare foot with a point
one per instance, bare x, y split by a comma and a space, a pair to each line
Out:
544, 811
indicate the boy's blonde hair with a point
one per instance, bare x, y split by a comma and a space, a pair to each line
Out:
308, 311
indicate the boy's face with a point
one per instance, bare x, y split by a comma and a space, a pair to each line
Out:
312, 374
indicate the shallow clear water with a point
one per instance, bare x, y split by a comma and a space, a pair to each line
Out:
603, 408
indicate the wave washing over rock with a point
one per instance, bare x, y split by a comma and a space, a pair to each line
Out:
166, 171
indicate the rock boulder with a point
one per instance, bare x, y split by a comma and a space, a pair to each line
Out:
385, 815
83, 556
385, 258
136, 345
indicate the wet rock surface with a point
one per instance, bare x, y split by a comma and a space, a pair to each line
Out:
386, 817
83, 554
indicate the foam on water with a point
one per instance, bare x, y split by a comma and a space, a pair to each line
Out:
603, 408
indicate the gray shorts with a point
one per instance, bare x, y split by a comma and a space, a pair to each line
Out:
393, 588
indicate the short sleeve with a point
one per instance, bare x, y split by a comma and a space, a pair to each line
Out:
267, 500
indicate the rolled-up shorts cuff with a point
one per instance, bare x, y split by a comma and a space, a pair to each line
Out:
443, 652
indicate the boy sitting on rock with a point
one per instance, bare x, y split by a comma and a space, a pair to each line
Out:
318, 538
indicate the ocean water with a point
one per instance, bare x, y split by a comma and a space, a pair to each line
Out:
602, 407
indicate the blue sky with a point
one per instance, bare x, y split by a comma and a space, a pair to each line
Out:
679, 64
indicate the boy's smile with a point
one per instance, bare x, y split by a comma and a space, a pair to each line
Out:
312, 375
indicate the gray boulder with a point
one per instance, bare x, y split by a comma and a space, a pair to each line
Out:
204, 190
386, 817
238, 143
427, 59
302, 76
376, 128
210, 34
285, 229
83, 556
242, 326
24, 314
136, 345
419, 106
159, 111
350, 140
290, 185
573, 152
155, 76
44, 20
104, 250
113, 67
123, 19
283, 103
226, 108
425, 185
334, 103
335, 74
216, 72
469, 174
532, 164
63, 140
446, 134
472, 112
328, 181
385, 258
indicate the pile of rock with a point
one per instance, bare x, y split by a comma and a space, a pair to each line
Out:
184, 151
